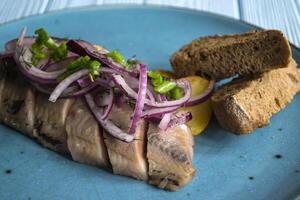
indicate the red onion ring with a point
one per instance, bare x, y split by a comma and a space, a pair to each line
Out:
109, 106
163, 124
66, 82
121, 83
110, 127
65, 94
158, 111
203, 96
84, 48
179, 118
23, 60
140, 101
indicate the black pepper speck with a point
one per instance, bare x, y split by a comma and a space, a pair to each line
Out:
8, 171
278, 156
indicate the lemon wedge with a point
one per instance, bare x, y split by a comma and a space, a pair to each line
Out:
202, 112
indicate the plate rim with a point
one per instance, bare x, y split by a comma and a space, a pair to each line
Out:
143, 6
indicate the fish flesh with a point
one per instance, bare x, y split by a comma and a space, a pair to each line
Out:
162, 158
128, 159
49, 123
169, 155
84, 136
17, 105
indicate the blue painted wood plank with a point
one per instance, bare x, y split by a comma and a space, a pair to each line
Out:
274, 14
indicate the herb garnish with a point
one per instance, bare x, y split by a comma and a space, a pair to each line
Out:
162, 86
44, 42
83, 62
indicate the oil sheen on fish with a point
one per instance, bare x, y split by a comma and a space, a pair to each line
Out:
169, 155
127, 159
85, 139
49, 125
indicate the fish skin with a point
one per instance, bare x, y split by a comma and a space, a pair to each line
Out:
169, 155
128, 159
84, 136
17, 104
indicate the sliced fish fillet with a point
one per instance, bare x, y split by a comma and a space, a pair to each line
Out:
169, 155
67, 126
128, 159
17, 104
49, 125
85, 140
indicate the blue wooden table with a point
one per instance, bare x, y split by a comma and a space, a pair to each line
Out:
279, 14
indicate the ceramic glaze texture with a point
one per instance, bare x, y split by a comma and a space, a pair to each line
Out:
263, 165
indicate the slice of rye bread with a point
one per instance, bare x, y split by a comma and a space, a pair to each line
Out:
219, 57
248, 103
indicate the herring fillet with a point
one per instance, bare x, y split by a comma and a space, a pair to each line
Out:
49, 125
127, 159
84, 136
54, 124
169, 155
16, 104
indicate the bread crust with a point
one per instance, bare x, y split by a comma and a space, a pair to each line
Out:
219, 57
248, 103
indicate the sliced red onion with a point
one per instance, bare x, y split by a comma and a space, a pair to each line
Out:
133, 83
102, 100
84, 48
179, 118
108, 125
121, 83
45, 75
5, 55
158, 111
22, 57
85, 81
203, 96
120, 100
10, 46
66, 82
140, 101
163, 124
109, 106
58, 65
162, 97
66, 93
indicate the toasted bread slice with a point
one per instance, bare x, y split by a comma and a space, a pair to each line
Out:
248, 103
219, 57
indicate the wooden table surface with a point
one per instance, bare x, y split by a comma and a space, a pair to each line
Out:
279, 14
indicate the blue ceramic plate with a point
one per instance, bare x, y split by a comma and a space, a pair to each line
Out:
263, 165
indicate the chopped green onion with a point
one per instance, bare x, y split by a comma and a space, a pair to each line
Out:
83, 62
94, 66
56, 51
175, 93
165, 87
119, 58
116, 56
162, 86
79, 62
156, 78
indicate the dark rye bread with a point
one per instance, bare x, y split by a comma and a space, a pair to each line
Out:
248, 103
219, 57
